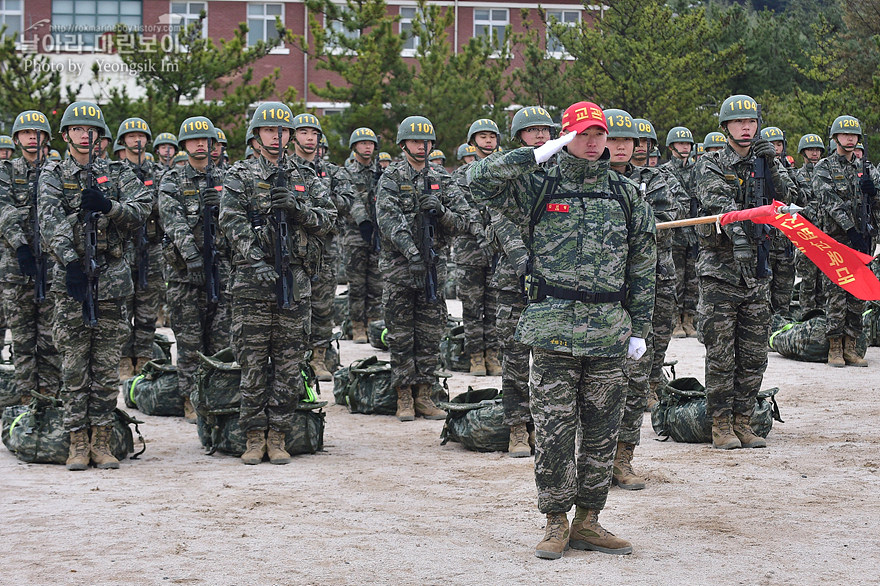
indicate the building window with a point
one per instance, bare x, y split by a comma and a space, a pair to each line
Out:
491, 24
261, 22
183, 14
566, 17
88, 19
337, 29
11, 16
407, 16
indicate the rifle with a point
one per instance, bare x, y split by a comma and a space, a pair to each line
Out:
92, 271
863, 215
762, 194
427, 237
142, 250
284, 283
209, 254
36, 241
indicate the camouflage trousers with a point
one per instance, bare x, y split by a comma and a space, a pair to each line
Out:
736, 327
144, 307
89, 360
577, 403
364, 284
782, 283
37, 362
270, 345
477, 308
843, 311
323, 293
810, 294
686, 279
188, 308
665, 310
514, 360
415, 328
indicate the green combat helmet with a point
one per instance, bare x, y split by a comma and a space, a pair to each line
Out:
679, 134
195, 127
249, 152
484, 125
149, 157
29, 120
621, 124
528, 117
360, 134
6, 141
415, 128
383, 156
54, 155
83, 114
466, 150
221, 137
117, 148
645, 129
165, 138
772, 134
738, 107
306, 120
714, 140
436, 155
272, 114
700, 149
133, 125
179, 159
846, 125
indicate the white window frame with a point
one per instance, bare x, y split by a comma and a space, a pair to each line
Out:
186, 18
409, 51
264, 18
77, 41
491, 23
6, 15
336, 25
561, 53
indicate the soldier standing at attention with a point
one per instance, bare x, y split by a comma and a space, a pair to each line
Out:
467, 153
199, 324
74, 193
734, 282
165, 147
264, 199
414, 197
37, 363
474, 256
841, 189
361, 236
591, 295
810, 295
714, 141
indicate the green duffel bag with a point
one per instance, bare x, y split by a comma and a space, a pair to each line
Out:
369, 388
681, 412
155, 391
475, 419
8, 393
377, 334
217, 382
35, 433
221, 432
340, 385
452, 354
805, 340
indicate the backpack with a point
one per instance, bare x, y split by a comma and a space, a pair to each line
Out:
681, 412
35, 432
452, 353
475, 419
217, 401
365, 386
8, 392
155, 390
376, 332
805, 340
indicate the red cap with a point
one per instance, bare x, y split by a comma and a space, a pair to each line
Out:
583, 115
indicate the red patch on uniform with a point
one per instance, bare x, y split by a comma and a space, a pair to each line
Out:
557, 207
218, 187
148, 182
103, 179
435, 186
299, 187
323, 174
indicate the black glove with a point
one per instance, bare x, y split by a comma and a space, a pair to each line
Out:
95, 201
27, 264
210, 197
431, 202
763, 148
742, 250
856, 240
867, 185
366, 230
195, 271
283, 198
76, 280
264, 273
418, 271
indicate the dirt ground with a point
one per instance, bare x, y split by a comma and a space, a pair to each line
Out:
385, 503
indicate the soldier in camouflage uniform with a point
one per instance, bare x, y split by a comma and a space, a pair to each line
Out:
629, 142
361, 236
306, 142
70, 191
685, 248
271, 332
734, 289
841, 191
438, 159
781, 248
7, 147
411, 195
591, 286
714, 141
218, 154
810, 294
165, 147
149, 290
37, 363
384, 160
467, 153
474, 259
184, 193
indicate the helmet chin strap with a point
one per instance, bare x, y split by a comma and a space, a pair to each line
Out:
416, 157
486, 152
275, 151
306, 150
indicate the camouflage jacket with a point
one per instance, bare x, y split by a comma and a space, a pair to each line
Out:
180, 211
837, 192
63, 223
806, 200
339, 184
246, 217
365, 180
472, 248
589, 244
724, 184
397, 208
657, 193
684, 173
150, 174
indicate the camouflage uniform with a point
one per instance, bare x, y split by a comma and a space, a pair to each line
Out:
836, 189
685, 246
269, 342
180, 209
782, 250
810, 295
577, 379
37, 363
361, 258
414, 325
90, 355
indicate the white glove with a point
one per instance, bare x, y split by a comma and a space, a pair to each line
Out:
551, 147
637, 348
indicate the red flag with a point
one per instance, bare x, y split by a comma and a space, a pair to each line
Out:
840, 263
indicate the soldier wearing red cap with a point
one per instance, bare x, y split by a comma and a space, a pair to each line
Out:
590, 283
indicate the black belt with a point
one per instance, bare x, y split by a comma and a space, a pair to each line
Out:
538, 290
